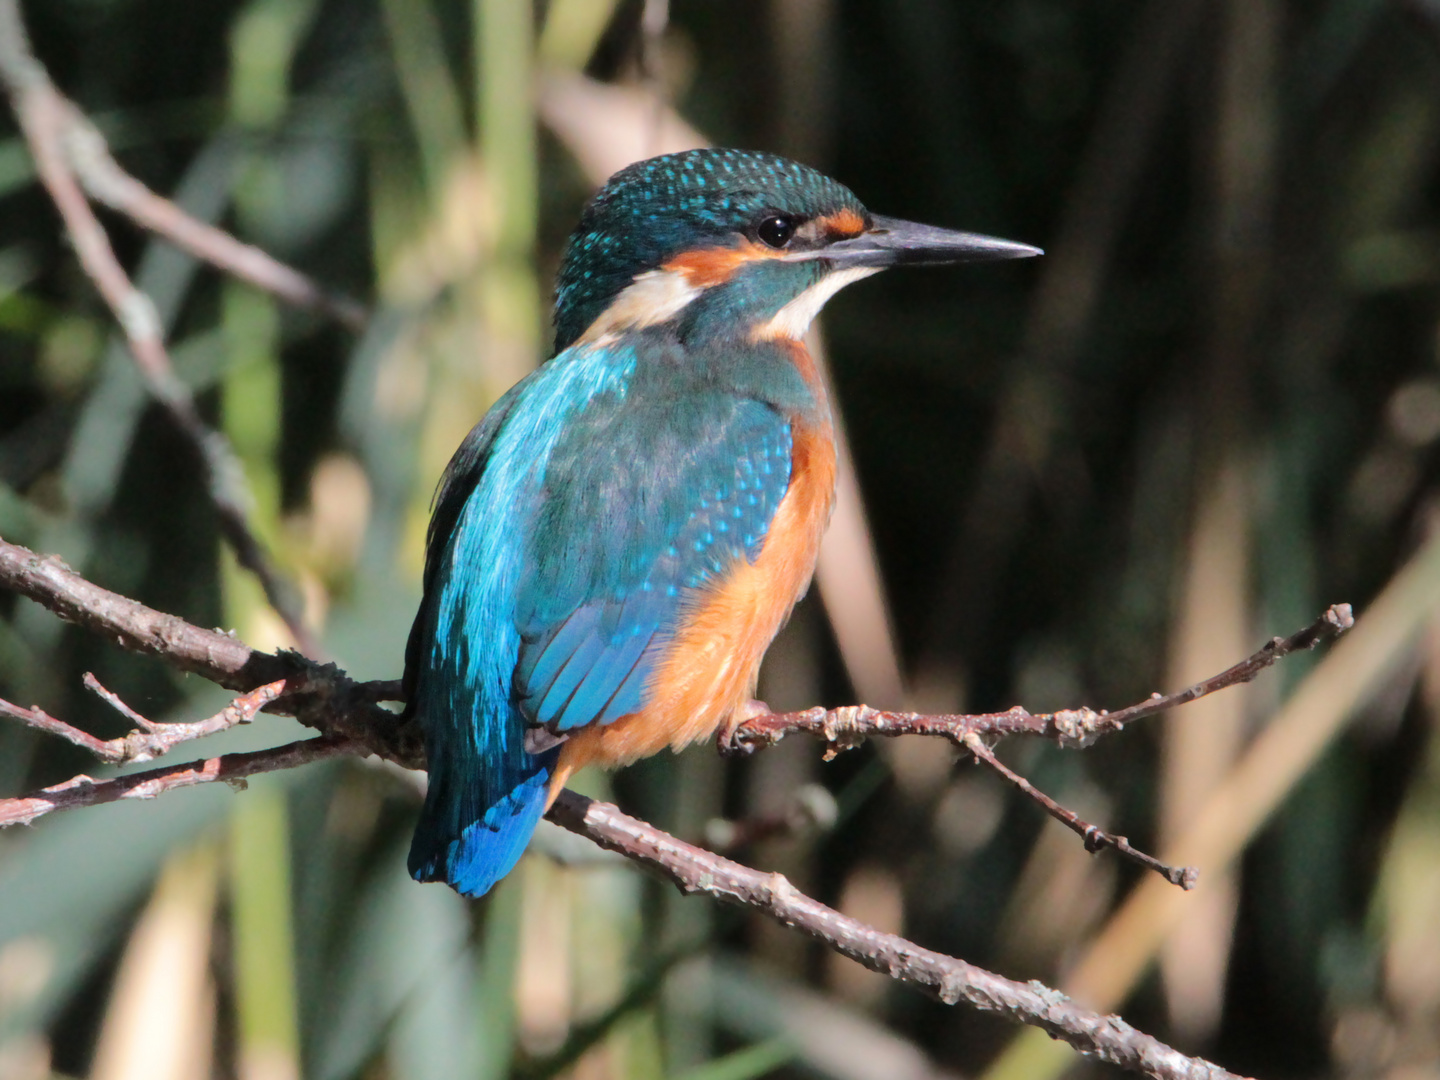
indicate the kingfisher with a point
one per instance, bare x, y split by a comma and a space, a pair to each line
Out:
616, 543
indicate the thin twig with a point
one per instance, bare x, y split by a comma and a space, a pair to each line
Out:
40, 720
1337, 619
45, 117
849, 725
324, 698
1095, 837
143, 723
152, 739
155, 739
947, 978
107, 183
84, 791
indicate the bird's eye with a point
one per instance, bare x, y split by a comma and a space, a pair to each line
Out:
775, 230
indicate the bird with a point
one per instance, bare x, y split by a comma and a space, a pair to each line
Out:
615, 544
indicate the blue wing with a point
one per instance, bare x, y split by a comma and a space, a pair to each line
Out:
643, 504
459, 482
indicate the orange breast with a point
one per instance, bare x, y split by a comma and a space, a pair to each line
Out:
710, 668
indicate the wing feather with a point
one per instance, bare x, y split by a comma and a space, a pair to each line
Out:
628, 537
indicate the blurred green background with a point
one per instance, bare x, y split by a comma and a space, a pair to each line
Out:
1210, 411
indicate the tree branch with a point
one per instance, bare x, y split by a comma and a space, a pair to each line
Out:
107, 183
849, 725
1096, 838
150, 740
72, 160
83, 791
47, 119
318, 695
947, 978
693, 869
329, 701
345, 711
220, 657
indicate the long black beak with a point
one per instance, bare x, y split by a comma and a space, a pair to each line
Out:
892, 242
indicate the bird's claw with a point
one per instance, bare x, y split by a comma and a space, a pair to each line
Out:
726, 741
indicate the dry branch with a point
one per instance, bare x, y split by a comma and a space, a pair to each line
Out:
320, 696
88, 156
72, 160
107, 183
84, 791
150, 740
1096, 838
49, 123
692, 869
849, 725
325, 698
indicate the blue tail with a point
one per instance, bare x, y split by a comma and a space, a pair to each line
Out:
467, 840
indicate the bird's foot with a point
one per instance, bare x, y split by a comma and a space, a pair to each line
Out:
725, 740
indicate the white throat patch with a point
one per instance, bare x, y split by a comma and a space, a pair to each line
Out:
793, 320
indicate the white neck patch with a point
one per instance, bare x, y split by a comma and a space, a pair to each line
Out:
657, 296
653, 297
793, 320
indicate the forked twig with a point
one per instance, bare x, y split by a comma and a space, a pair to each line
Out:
849, 725
83, 790
692, 869
320, 696
107, 183
151, 739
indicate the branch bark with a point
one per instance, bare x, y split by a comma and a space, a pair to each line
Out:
325, 698
82, 790
149, 740
847, 726
88, 155
693, 869
72, 160
318, 695
946, 978
48, 122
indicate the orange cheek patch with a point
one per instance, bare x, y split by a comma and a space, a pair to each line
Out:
842, 224
705, 268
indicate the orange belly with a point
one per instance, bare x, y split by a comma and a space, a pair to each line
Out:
710, 668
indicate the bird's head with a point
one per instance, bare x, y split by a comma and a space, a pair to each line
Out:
732, 241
